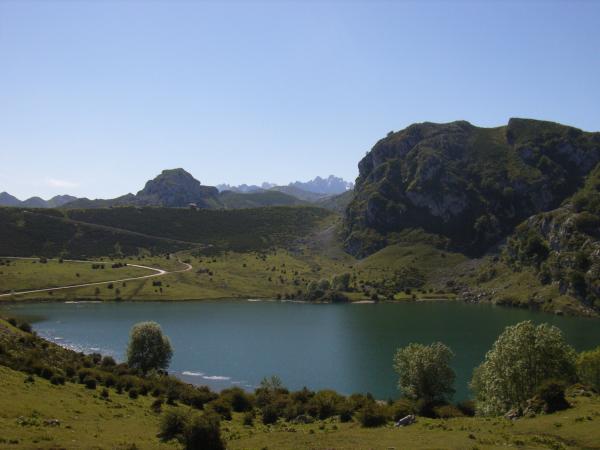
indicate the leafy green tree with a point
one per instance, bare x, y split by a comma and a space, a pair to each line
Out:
588, 368
521, 359
148, 347
425, 371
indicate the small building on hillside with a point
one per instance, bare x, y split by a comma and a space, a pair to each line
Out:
192, 206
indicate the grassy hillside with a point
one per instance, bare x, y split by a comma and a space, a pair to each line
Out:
133, 231
238, 200
50, 233
20, 275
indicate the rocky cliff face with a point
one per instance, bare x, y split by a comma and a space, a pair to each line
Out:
470, 184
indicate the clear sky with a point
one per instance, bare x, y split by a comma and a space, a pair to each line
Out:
97, 97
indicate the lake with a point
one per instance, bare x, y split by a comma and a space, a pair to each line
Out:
348, 348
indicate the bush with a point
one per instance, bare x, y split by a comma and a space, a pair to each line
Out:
46, 372
467, 407
249, 419
89, 382
222, 407
372, 415
326, 403
104, 393
269, 414
447, 412
25, 327
133, 393
108, 361
588, 368
552, 393
203, 432
57, 379
110, 381
12, 321
172, 425
239, 400
157, 405
402, 408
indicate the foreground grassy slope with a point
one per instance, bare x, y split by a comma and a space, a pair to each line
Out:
88, 421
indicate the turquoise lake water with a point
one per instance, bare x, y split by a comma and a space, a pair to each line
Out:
348, 348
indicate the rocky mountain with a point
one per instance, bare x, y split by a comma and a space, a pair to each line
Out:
468, 184
310, 191
563, 244
331, 185
35, 202
171, 188
245, 188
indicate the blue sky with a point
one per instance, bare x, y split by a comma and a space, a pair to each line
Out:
97, 97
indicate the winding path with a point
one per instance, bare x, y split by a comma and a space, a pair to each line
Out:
157, 273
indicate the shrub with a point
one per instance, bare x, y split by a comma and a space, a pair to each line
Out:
203, 431
326, 403
46, 372
104, 393
133, 393
402, 408
157, 405
249, 419
467, 407
521, 359
12, 321
588, 368
372, 415
110, 381
447, 411
108, 361
425, 371
25, 327
90, 382
57, 379
552, 393
240, 400
269, 414
172, 425
222, 407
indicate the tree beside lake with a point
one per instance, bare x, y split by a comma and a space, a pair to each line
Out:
523, 357
424, 372
148, 349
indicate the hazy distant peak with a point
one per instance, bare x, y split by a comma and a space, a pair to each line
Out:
331, 185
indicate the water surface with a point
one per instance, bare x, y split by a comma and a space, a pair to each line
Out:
348, 348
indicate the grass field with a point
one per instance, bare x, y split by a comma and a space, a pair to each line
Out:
88, 421
22, 274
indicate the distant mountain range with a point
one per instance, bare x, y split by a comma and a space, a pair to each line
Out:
35, 202
178, 188
331, 185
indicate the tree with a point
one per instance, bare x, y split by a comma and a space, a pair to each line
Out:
148, 347
425, 371
521, 359
588, 368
